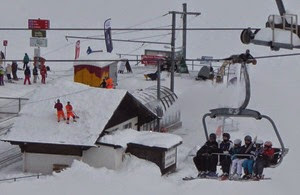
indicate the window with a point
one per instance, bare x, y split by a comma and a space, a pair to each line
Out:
127, 126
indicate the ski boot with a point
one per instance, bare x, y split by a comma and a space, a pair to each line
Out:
212, 174
225, 176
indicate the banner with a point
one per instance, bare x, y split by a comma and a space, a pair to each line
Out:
77, 49
107, 34
151, 59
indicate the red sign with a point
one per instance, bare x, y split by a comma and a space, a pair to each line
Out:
38, 24
151, 60
5, 42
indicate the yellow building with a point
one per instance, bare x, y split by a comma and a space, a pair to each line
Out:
91, 71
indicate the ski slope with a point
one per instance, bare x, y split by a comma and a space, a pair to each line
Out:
274, 90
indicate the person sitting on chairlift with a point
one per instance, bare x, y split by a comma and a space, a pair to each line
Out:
225, 160
264, 156
205, 162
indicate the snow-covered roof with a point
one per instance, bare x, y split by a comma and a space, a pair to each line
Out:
145, 138
280, 36
38, 121
97, 56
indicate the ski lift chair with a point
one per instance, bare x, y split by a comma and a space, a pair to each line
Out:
242, 111
231, 112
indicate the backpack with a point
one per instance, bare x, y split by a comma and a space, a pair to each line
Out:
35, 71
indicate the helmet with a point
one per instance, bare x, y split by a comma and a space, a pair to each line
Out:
58, 100
237, 142
213, 136
68, 102
248, 138
259, 142
226, 135
247, 51
268, 143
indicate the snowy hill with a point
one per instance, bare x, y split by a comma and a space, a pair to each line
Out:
274, 85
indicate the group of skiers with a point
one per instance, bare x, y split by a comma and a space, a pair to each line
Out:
252, 157
60, 112
27, 72
11, 69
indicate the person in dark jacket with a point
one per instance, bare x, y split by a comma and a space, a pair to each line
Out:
205, 162
14, 67
1, 75
225, 160
103, 83
25, 61
248, 149
27, 74
60, 112
242, 58
151, 76
35, 74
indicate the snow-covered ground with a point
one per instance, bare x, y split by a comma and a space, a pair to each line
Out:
274, 85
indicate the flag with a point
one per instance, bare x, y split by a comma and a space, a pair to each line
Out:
107, 34
77, 49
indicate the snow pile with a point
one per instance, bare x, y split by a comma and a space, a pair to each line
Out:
136, 177
38, 121
97, 56
151, 139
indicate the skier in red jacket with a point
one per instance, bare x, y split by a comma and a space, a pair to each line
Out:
70, 112
43, 73
60, 112
263, 159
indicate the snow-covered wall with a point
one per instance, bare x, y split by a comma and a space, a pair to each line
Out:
103, 156
43, 163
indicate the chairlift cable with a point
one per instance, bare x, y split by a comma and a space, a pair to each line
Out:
131, 29
150, 36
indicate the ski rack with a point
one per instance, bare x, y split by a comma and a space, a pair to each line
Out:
247, 113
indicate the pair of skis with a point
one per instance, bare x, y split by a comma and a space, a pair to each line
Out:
224, 178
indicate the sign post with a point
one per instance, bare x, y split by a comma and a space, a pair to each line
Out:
38, 42
38, 24
38, 34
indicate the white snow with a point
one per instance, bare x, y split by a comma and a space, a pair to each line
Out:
145, 138
38, 121
274, 84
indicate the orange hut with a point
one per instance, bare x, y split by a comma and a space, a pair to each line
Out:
90, 71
